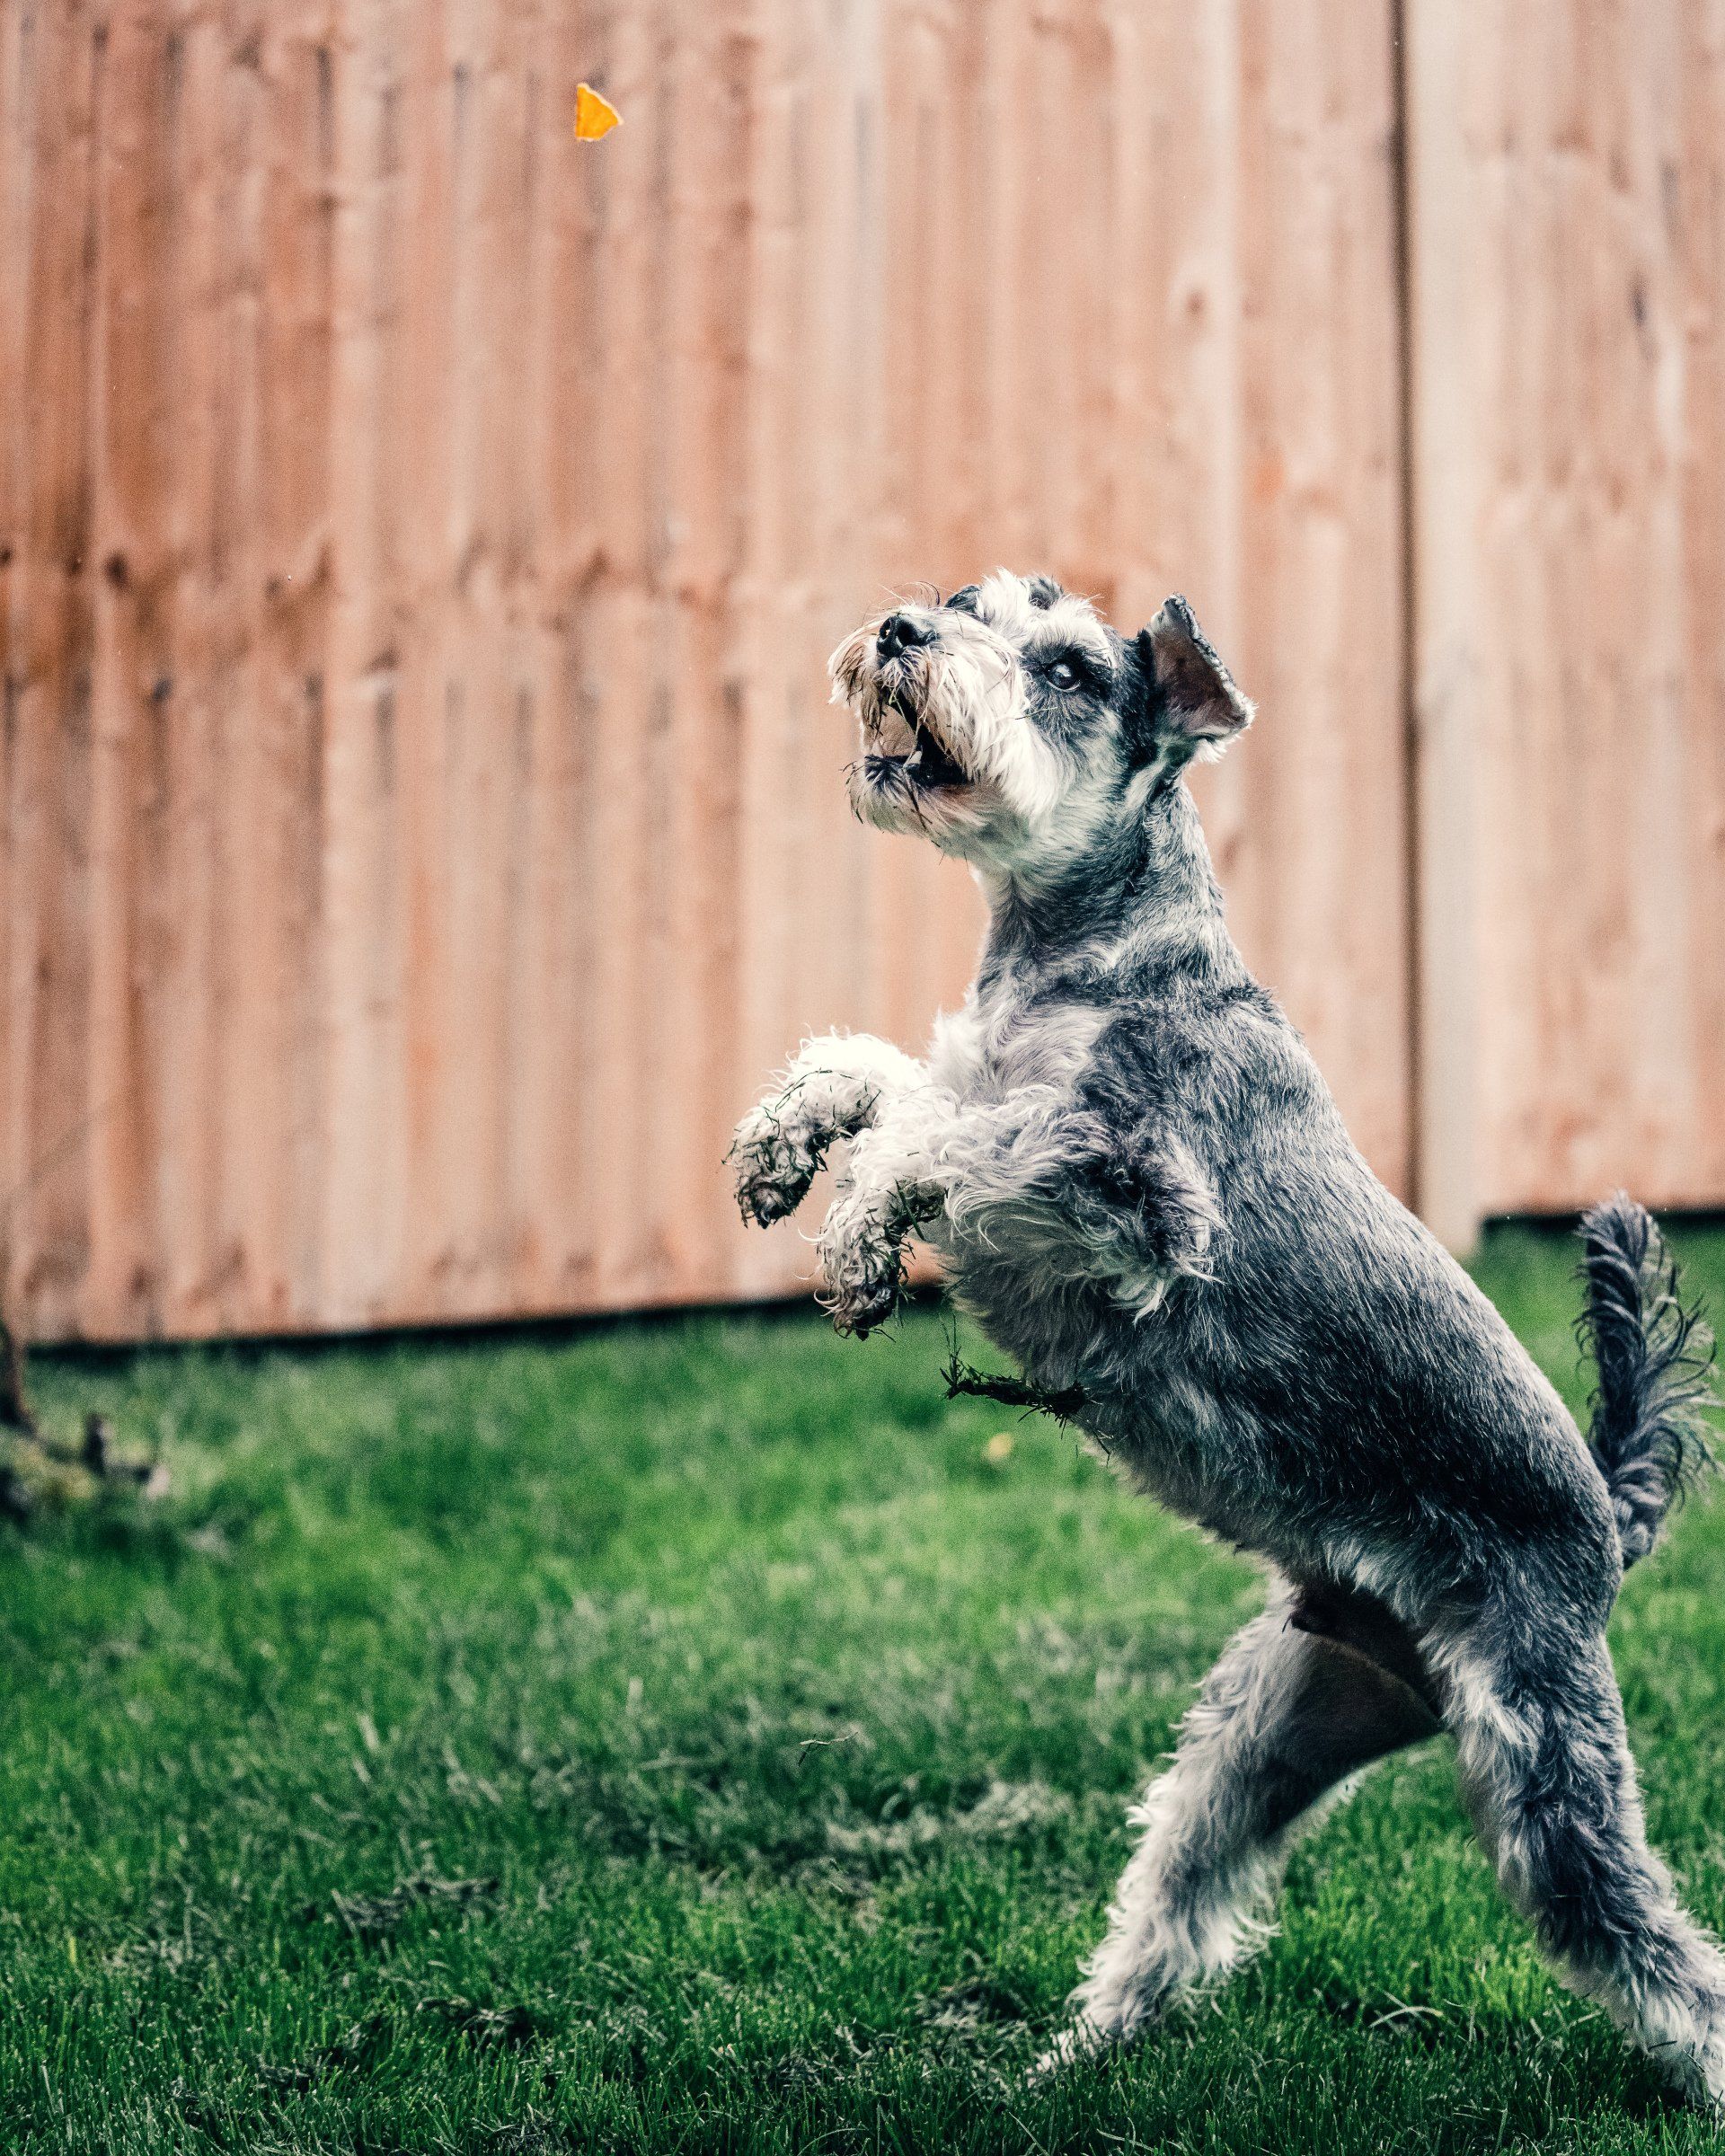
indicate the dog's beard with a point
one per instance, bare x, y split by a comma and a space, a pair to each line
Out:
910, 773
945, 748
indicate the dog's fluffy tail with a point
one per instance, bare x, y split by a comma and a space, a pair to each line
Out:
1654, 1356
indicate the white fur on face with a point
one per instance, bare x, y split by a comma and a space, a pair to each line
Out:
968, 693
1005, 602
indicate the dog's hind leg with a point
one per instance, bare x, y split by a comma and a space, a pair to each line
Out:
1292, 1708
1549, 1781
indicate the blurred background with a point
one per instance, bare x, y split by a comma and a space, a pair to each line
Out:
421, 535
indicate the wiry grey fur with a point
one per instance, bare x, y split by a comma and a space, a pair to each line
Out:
1653, 1358
1139, 1183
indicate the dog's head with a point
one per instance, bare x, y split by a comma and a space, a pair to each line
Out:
1012, 725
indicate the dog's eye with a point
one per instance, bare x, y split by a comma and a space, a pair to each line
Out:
1062, 674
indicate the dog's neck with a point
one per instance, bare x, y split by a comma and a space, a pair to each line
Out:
1143, 895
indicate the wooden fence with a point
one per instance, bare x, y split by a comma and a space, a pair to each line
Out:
421, 535
1566, 183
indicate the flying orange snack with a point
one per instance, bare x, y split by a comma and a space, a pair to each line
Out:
594, 114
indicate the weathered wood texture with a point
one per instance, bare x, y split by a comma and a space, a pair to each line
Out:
1567, 193
421, 535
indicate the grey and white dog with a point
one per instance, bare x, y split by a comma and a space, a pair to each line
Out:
1139, 1183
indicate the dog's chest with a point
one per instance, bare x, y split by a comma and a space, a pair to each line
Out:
1001, 1043
1015, 1068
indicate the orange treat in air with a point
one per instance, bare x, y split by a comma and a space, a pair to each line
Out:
594, 114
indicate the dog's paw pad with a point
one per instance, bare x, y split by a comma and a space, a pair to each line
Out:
765, 1198
774, 1167
863, 1301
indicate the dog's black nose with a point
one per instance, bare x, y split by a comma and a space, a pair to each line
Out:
898, 632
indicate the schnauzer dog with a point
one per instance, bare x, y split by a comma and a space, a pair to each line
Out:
1139, 1183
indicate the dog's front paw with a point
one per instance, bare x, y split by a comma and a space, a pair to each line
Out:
864, 1283
775, 1157
861, 1304
862, 1260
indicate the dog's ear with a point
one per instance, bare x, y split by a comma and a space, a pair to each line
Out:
1192, 705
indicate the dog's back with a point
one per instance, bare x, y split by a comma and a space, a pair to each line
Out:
1327, 1385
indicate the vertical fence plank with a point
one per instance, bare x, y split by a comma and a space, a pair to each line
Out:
183, 990
625, 764
563, 1019
19, 166
1317, 836
389, 437
1698, 332
56, 76
293, 323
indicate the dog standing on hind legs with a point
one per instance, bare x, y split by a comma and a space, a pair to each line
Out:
1139, 1182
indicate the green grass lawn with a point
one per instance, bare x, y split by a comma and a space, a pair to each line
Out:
691, 1736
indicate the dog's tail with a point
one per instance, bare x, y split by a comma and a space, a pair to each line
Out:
1654, 1356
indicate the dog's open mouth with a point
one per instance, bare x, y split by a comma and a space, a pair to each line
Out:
929, 763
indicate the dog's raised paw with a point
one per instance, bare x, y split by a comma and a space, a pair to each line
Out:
773, 1163
865, 1272
765, 1198
861, 1305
